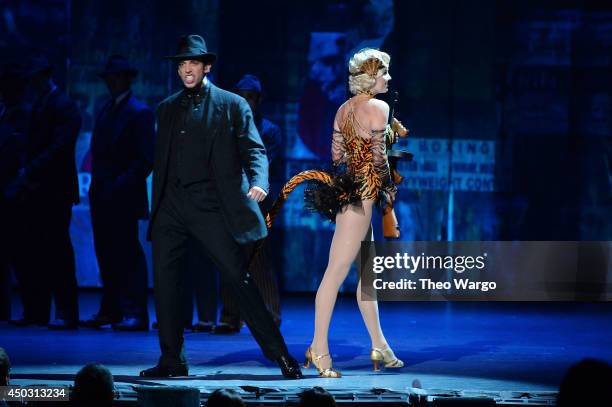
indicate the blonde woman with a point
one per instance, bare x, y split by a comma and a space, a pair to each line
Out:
362, 180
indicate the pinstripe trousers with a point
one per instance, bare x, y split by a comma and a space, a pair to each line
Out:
264, 277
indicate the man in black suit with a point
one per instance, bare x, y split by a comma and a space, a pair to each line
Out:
210, 172
122, 159
48, 182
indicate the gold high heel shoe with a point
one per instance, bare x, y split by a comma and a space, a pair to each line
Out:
313, 358
387, 357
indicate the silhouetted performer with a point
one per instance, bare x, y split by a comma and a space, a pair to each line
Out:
122, 158
210, 171
249, 87
49, 171
14, 127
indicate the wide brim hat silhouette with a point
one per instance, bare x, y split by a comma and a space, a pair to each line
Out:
193, 47
117, 64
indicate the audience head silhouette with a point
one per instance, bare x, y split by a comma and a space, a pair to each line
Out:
225, 398
5, 368
316, 397
93, 386
586, 384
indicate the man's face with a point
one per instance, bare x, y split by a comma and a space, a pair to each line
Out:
252, 97
192, 72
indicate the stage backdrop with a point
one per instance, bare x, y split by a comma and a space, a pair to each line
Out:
508, 103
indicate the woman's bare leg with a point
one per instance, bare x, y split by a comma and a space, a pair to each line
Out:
369, 312
352, 226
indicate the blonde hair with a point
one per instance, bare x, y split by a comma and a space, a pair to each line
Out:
364, 67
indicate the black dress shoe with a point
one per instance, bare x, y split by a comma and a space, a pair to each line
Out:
62, 324
289, 367
203, 326
224, 328
131, 324
164, 371
98, 321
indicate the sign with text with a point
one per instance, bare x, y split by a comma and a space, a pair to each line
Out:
472, 164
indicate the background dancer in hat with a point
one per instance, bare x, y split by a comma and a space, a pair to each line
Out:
122, 159
48, 186
249, 87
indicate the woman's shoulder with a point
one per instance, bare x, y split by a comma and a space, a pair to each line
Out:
342, 110
378, 104
370, 104
343, 106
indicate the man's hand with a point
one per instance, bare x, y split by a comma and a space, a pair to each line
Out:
257, 194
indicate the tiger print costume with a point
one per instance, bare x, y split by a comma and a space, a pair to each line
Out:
360, 172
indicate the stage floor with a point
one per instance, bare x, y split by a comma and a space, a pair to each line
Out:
500, 349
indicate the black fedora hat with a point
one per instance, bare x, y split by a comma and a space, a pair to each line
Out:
117, 64
193, 47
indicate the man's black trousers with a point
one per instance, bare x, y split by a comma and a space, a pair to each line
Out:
194, 211
47, 266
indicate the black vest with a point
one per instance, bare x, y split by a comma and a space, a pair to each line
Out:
189, 162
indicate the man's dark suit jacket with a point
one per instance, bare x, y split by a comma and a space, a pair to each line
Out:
122, 157
236, 155
14, 129
50, 166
